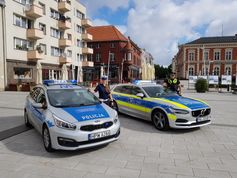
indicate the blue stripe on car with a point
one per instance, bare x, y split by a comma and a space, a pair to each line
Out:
85, 113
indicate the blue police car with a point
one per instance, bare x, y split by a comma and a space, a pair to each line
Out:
149, 101
70, 117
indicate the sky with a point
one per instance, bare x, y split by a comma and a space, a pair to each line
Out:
159, 26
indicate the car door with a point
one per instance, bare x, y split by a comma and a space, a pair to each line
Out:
139, 108
38, 113
122, 96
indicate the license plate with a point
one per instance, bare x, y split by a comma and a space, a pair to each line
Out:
99, 135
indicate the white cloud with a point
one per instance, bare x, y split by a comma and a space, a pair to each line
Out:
100, 22
159, 25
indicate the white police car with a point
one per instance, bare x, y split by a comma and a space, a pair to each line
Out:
70, 117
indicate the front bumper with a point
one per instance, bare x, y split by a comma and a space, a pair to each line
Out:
73, 140
187, 121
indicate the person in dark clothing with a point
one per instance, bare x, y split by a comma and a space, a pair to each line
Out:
173, 83
103, 89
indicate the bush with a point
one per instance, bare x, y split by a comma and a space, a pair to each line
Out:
201, 85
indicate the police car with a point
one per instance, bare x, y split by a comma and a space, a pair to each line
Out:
147, 100
70, 117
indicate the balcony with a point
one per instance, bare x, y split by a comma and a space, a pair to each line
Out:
87, 64
34, 11
35, 34
64, 6
65, 42
64, 25
64, 59
86, 23
87, 37
87, 50
35, 55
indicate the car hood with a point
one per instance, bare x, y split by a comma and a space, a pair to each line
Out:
180, 101
83, 113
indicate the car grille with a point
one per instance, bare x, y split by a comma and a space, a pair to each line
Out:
201, 112
90, 128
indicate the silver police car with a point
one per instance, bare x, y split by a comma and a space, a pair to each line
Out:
70, 117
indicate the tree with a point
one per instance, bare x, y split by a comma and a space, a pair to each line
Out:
162, 72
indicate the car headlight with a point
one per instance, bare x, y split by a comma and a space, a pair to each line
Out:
63, 124
178, 111
116, 118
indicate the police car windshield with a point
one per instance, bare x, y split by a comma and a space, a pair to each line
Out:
158, 91
71, 98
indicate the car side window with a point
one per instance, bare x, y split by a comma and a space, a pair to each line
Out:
41, 96
118, 89
126, 89
136, 90
34, 93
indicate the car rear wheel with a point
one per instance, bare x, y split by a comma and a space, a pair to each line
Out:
47, 139
26, 118
160, 120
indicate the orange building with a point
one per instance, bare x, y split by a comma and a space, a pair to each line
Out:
207, 56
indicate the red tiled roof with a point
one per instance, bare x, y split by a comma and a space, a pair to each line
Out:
106, 33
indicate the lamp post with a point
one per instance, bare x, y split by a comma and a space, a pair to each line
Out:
108, 68
122, 70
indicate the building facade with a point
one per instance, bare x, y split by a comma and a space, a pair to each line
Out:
114, 51
45, 40
207, 56
147, 65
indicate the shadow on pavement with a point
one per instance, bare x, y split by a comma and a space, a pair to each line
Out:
137, 124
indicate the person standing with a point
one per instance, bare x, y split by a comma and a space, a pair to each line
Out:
173, 83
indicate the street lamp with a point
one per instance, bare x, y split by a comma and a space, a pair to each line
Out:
108, 68
122, 70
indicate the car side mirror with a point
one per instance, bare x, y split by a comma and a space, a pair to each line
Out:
37, 105
140, 95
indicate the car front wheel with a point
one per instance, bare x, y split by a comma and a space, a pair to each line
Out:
47, 139
160, 120
26, 118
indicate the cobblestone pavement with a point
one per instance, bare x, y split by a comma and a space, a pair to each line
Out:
141, 151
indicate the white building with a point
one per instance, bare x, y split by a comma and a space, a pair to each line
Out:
147, 65
45, 39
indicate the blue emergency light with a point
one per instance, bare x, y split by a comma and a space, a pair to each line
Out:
59, 82
139, 82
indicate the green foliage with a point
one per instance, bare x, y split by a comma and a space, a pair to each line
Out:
201, 85
162, 72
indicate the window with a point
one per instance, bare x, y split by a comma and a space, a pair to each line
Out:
228, 55
69, 53
21, 44
78, 57
51, 74
90, 57
217, 55
129, 56
228, 70
42, 27
21, 21
112, 45
81, 57
25, 2
136, 90
98, 45
78, 43
98, 57
80, 29
206, 56
205, 72
56, 51
42, 6
43, 48
191, 71
22, 73
69, 36
56, 33
191, 56
54, 14
216, 71
112, 57
80, 15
